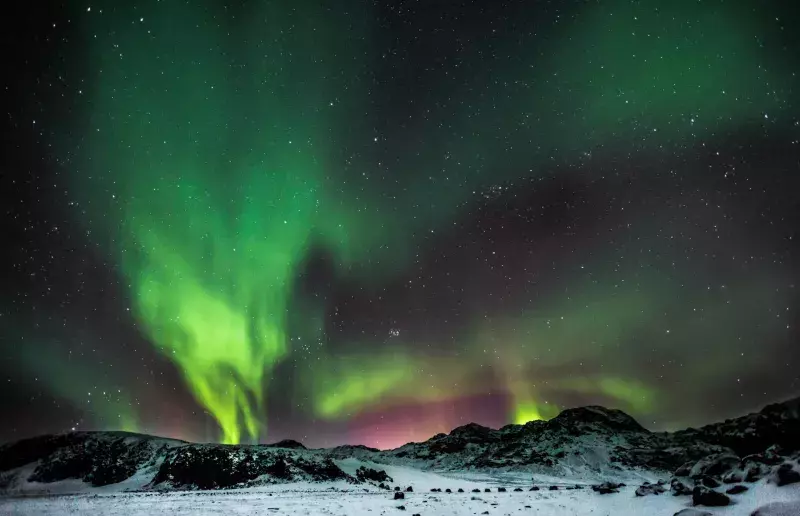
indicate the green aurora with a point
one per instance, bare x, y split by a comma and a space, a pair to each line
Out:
214, 157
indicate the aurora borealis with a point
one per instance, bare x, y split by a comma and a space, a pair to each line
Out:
370, 223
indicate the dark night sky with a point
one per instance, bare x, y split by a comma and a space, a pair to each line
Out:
352, 222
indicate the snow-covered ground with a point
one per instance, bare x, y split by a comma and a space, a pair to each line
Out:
355, 500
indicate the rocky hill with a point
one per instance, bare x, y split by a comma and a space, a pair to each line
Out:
589, 442
578, 442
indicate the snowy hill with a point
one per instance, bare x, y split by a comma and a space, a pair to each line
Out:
581, 444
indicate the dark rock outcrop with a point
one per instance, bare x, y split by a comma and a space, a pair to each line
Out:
679, 487
708, 497
714, 465
606, 488
96, 458
737, 489
776, 424
786, 474
375, 475
289, 444
217, 467
650, 489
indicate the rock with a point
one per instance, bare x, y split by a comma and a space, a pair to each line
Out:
396, 488
679, 487
708, 481
708, 497
206, 466
448, 490
382, 485
460, 490
773, 455
401, 507
534, 488
399, 496
683, 471
476, 490
737, 489
786, 474
487, 490
733, 477
375, 475
647, 489
517, 489
553, 488
714, 465
756, 472
501, 489
692, 512
409, 489
607, 488
770, 457
752, 468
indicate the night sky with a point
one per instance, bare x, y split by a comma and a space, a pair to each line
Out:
370, 222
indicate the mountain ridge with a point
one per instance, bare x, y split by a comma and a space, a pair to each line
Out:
588, 442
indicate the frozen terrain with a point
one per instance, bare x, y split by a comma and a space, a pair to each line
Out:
589, 460
341, 498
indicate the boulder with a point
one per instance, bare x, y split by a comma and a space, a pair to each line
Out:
476, 490
399, 496
448, 490
708, 481
755, 471
649, 489
679, 487
501, 489
534, 488
376, 475
774, 454
487, 490
704, 496
737, 489
733, 477
607, 488
517, 489
409, 489
460, 490
785, 474
715, 465
683, 471
553, 488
